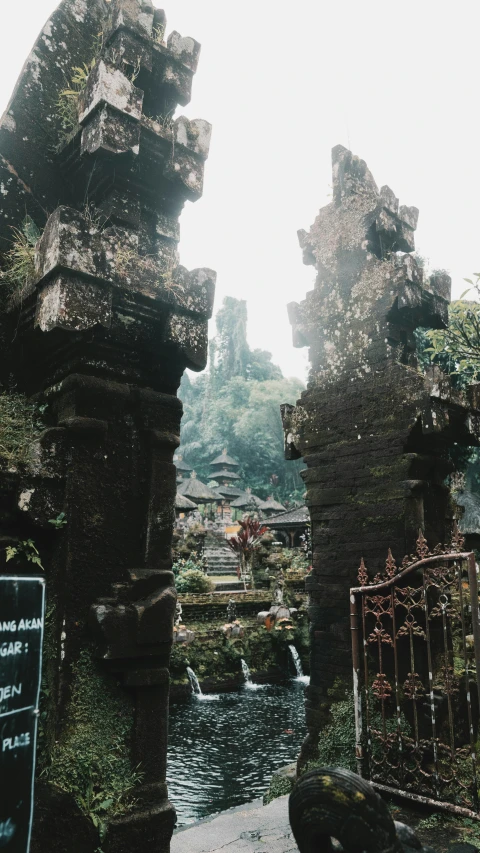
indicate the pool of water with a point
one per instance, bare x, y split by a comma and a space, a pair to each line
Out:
223, 748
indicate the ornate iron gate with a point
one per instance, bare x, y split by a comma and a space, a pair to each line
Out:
416, 653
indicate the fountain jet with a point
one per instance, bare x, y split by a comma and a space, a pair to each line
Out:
297, 664
194, 682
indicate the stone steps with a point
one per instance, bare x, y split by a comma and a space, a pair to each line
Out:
234, 586
220, 558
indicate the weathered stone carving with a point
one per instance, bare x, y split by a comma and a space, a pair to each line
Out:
101, 334
373, 431
331, 809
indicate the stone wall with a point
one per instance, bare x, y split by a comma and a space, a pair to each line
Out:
97, 330
373, 431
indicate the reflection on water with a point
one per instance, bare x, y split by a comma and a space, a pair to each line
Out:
223, 748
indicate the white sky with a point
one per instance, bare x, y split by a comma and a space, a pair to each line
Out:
282, 83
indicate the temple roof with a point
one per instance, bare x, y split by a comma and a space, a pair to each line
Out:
182, 502
194, 488
297, 517
229, 491
246, 499
181, 465
224, 459
271, 504
226, 475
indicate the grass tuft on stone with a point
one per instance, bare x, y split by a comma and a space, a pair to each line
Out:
19, 262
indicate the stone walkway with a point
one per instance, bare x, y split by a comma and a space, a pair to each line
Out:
252, 828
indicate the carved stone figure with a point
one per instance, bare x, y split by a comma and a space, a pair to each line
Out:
231, 611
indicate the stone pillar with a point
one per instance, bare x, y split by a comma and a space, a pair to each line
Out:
373, 431
101, 333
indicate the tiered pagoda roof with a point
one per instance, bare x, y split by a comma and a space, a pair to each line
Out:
225, 475
224, 461
181, 465
194, 489
229, 492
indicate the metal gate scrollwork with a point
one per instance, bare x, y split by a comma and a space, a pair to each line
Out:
416, 654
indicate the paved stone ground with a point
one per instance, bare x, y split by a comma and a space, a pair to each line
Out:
252, 828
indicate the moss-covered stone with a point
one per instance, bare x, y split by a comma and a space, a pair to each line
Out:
216, 658
91, 758
281, 783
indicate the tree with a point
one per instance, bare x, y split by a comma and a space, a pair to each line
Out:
243, 416
456, 349
236, 404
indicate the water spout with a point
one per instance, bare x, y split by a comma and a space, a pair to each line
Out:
248, 678
297, 664
246, 672
194, 682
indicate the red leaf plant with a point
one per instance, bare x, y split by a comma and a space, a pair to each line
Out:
244, 544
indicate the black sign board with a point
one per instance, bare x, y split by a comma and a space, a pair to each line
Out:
22, 611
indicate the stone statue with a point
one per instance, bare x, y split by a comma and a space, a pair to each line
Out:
231, 611
328, 804
278, 591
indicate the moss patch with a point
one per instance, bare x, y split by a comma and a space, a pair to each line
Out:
213, 656
91, 760
20, 425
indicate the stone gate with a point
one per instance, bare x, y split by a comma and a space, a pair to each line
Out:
97, 334
373, 430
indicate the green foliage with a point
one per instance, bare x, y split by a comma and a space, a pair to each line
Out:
91, 760
337, 739
212, 655
19, 261
58, 522
20, 425
243, 415
280, 784
191, 563
470, 832
456, 349
24, 550
179, 658
194, 580
458, 828
288, 558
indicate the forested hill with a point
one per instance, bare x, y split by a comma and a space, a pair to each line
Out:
235, 404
